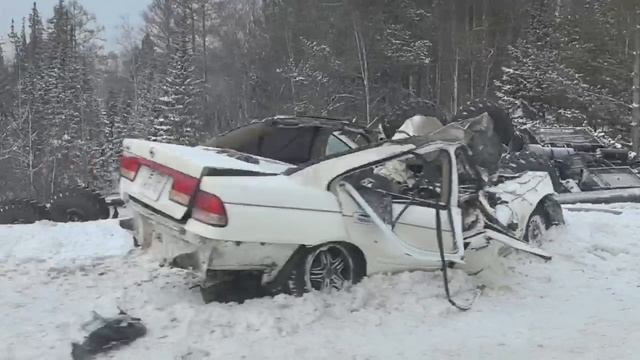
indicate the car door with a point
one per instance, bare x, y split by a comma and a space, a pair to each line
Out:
403, 203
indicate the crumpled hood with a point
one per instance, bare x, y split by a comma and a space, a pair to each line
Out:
518, 197
522, 184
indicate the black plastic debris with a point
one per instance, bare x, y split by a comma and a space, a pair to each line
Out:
108, 334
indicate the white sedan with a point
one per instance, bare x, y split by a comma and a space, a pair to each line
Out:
278, 207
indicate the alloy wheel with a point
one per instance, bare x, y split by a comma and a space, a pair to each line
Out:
329, 268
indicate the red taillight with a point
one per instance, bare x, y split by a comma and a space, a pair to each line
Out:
209, 209
183, 188
129, 166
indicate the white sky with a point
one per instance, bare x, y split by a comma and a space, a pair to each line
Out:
109, 14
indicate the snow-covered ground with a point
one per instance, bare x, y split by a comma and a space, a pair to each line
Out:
584, 304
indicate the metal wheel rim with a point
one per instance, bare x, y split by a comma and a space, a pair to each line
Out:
536, 230
329, 268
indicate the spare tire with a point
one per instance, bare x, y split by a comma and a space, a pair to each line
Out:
78, 205
22, 211
502, 124
528, 161
407, 110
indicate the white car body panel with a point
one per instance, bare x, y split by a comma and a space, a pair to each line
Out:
170, 239
522, 194
190, 161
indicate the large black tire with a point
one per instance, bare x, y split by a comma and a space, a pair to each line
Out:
22, 211
528, 161
78, 205
502, 124
409, 109
346, 265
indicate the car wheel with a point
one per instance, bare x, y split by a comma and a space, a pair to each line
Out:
537, 227
327, 267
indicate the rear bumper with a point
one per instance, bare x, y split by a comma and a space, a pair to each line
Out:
170, 242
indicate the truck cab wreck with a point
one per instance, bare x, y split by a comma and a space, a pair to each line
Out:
257, 215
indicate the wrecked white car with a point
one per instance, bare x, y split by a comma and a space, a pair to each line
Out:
292, 205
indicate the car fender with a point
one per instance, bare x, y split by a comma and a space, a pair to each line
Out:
520, 196
273, 209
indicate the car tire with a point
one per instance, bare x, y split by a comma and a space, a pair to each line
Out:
327, 267
22, 211
78, 205
537, 226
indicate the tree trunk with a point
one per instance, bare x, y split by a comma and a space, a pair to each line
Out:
635, 122
454, 107
204, 41
364, 69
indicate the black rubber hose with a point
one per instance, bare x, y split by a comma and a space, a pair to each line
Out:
444, 264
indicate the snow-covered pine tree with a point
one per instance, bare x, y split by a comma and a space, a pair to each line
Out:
176, 119
70, 105
145, 81
6, 93
29, 125
6, 116
538, 76
114, 120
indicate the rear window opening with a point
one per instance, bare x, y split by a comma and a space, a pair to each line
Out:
291, 145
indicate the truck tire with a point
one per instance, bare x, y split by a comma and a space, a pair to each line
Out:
528, 161
78, 205
409, 109
502, 124
22, 211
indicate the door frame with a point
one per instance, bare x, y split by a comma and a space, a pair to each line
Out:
450, 206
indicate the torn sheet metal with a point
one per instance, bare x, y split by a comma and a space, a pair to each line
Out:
516, 244
518, 197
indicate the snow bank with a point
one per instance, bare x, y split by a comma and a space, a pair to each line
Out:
580, 305
60, 243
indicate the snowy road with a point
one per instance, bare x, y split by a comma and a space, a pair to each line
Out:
584, 304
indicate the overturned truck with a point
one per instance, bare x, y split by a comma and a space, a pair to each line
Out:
583, 167
589, 170
74, 204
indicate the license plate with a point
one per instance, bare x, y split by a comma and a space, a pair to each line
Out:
153, 184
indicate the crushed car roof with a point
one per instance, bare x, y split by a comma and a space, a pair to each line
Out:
334, 124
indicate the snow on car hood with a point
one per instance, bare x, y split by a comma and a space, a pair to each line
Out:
522, 184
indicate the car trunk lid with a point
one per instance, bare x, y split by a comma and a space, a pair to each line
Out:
165, 177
